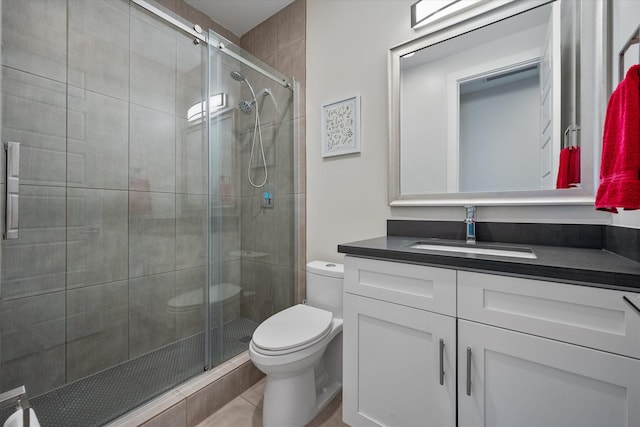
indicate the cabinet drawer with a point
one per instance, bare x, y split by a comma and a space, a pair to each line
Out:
417, 286
592, 317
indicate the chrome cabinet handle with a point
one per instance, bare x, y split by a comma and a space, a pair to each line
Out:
628, 301
12, 201
468, 371
441, 362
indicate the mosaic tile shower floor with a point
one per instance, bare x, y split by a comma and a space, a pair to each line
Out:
103, 397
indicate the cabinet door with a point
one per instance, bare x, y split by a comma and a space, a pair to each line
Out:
392, 365
527, 381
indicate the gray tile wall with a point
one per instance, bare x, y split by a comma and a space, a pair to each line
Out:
277, 280
113, 188
247, 234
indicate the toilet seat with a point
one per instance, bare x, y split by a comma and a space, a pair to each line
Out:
292, 329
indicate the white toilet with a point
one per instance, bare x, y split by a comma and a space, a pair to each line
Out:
300, 350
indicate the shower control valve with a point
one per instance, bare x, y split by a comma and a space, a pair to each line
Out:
266, 201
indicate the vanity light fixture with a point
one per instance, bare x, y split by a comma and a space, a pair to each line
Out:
216, 102
424, 12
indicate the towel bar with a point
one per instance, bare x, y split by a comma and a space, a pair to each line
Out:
634, 39
17, 396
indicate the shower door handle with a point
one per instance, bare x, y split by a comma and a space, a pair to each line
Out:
12, 200
441, 354
468, 371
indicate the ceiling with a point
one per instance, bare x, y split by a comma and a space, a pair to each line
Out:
239, 16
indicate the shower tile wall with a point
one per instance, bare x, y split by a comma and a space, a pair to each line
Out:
113, 188
278, 279
267, 234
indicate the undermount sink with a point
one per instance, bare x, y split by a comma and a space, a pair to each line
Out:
475, 248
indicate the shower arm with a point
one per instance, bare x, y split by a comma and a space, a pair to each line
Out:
253, 94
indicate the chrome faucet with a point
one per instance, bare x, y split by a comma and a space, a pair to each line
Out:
470, 222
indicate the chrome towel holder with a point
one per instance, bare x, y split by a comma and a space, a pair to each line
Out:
634, 39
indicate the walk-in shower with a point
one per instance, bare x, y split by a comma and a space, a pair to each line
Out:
144, 255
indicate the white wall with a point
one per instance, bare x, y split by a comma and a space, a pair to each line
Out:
347, 46
626, 18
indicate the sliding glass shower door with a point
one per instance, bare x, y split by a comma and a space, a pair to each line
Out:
155, 205
102, 292
253, 195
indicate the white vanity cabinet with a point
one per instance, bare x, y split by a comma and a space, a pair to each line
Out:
399, 358
529, 352
537, 353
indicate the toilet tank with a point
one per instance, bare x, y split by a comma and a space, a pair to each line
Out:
324, 286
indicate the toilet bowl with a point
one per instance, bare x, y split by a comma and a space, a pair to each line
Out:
300, 351
225, 302
15, 420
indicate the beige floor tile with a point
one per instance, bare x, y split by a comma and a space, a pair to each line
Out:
246, 411
255, 393
237, 413
331, 416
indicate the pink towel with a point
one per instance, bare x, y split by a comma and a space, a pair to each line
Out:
620, 164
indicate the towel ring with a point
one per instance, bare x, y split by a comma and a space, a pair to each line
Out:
634, 39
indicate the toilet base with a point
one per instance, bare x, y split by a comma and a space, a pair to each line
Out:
289, 401
294, 401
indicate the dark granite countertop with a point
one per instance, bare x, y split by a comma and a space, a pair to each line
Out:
581, 266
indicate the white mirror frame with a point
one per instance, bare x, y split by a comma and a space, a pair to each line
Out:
594, 90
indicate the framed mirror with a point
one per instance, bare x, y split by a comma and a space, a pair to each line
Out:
501, 107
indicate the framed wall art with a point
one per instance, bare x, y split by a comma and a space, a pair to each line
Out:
341, 127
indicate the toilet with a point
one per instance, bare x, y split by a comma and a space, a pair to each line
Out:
300, 351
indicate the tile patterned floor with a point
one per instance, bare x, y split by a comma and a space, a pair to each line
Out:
246, 411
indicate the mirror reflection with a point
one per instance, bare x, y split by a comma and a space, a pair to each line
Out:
491, 110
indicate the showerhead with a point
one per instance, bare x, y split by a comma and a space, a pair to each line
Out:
237, 76
245, 107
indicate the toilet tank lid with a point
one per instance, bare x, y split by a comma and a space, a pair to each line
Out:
324, 268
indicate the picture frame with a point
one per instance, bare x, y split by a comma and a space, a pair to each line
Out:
341, 127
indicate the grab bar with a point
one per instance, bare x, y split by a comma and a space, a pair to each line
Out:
634, 39
12, 201
17, 396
